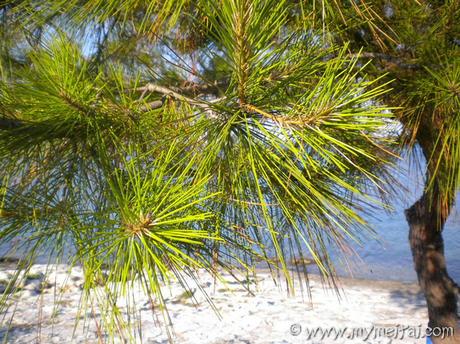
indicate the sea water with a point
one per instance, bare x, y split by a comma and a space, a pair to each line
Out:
390, 258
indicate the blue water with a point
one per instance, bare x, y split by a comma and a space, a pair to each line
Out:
391, 260
394, 261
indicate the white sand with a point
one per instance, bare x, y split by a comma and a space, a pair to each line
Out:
266, 316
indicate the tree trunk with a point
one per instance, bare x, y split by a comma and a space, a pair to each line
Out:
426, 220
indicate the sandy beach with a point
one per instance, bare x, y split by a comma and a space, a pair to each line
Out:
367, 311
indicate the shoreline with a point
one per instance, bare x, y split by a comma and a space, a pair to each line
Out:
269, 315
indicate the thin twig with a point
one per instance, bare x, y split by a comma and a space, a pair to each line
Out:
99, 335
386, 57
168, 92
253, 203
203, 88
7, 123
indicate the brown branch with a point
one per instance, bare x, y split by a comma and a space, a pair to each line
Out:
10, 123
201, 88
173, 94
282, 120
386, 57
169, 92
207, 88
156, 104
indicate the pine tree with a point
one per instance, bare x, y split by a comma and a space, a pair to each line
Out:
416, 44
151, 138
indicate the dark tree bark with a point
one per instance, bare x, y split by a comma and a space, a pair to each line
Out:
426, 219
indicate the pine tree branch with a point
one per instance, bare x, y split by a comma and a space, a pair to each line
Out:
10, 123
388, 58
208, 88
7, 123
156, 104
169, 92
201, 88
